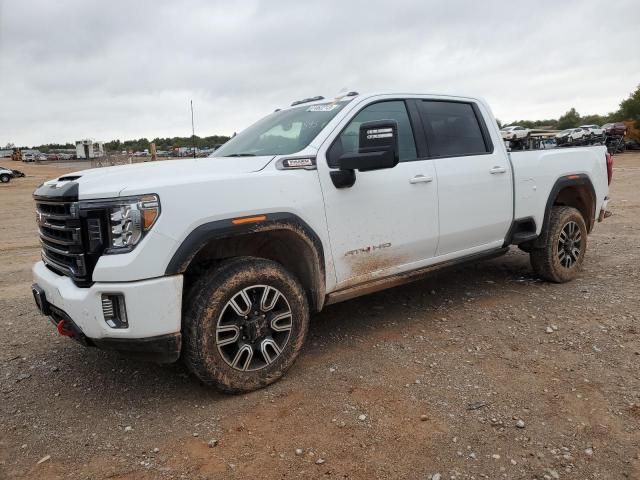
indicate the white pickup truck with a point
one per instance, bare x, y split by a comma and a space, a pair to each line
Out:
221, 260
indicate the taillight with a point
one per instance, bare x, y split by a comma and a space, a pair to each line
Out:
609, 167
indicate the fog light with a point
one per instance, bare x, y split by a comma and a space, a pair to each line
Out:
114, 311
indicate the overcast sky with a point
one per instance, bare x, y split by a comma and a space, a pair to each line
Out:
74, 69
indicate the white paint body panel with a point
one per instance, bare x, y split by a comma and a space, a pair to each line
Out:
154, 307
536, 172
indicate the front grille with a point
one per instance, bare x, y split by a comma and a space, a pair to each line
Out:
63, 249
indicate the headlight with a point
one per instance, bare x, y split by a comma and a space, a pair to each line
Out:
128, 219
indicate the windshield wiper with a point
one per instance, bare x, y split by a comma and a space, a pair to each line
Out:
241, 155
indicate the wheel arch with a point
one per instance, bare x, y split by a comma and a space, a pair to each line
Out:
282, 237
572, 191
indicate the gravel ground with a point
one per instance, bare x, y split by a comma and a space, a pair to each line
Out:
479, 372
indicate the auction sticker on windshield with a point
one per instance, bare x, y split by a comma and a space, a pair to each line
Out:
322, 108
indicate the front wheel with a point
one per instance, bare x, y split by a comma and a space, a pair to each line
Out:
560, 260
4, 178
245, 324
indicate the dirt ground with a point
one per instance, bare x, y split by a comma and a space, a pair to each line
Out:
479, 372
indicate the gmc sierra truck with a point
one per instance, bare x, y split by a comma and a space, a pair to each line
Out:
221, 260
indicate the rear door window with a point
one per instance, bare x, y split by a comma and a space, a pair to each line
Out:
454, 129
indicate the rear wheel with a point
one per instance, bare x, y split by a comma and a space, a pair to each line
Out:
245, 324
565, 246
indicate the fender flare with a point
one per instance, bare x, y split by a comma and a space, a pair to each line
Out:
224, 229
579, 179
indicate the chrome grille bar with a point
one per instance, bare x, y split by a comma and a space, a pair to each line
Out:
61, 237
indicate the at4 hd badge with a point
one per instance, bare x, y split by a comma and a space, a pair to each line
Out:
368, 249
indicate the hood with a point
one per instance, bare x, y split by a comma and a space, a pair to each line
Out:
148, 177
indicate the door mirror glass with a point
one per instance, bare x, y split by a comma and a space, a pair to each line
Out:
377, 147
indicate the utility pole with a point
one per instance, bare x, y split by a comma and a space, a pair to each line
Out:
193, 131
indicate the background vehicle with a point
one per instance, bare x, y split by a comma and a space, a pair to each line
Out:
514, 133
311, 205
594, 130
617, 128
572, 135
632, 145
6, 175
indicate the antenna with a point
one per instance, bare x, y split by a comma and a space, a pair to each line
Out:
193, 131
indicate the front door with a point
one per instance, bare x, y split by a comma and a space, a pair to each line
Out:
387, 222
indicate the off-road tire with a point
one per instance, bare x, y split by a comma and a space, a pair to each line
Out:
545, 261
5, 178
205, 304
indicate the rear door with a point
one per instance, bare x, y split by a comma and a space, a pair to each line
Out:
474, 177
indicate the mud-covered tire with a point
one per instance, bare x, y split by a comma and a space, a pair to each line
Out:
211, 310
4, 178
553, 262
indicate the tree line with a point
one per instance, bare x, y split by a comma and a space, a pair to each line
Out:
628, 112
166, 143
142, 144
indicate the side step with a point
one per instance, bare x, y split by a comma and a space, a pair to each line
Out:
521, 237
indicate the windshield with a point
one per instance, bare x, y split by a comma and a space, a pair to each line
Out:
507, 129
281, 133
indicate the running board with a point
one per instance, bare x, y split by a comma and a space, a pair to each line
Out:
406, 277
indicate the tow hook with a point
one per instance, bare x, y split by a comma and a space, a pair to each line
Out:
62, 329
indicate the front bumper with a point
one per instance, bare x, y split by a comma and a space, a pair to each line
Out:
154, 309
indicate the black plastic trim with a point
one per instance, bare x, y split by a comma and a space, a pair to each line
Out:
59, 192
422, 146
219, 229
563, 182
518, 231
159, 349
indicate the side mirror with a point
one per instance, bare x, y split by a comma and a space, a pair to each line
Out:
378, 147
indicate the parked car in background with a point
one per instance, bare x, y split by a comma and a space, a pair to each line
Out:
514, 132
632, 145
594, 130
6, 175
617, 128
571, 135
28, 157
52, 156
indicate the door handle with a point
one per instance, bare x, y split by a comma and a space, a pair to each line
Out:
421, 179
497, 169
